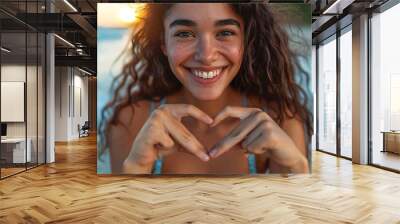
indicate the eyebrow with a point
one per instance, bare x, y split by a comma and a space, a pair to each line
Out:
187, 22
225, 22
182, 22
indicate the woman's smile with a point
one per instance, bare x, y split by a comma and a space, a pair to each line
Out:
206, 75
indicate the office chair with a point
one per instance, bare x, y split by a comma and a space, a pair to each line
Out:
84, 130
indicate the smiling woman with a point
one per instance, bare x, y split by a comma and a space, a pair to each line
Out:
209, 89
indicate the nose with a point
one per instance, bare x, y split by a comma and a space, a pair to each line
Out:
206, 51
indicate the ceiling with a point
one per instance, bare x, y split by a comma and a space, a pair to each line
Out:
332, 15
76, 25
76, 20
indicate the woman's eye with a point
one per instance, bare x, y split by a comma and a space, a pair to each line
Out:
184, 34
226, 33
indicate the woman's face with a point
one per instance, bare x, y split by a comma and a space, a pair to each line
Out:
204, 46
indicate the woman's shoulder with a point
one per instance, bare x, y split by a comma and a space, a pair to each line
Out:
133, 115
128, 121
272, 108
130, 111
291, 123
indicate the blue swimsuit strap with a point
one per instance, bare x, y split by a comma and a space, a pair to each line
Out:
251, 158
159, 162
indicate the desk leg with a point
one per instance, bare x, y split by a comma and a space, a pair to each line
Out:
384, 142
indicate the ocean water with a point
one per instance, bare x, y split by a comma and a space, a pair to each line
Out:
110, 44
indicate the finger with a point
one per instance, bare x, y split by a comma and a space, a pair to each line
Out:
253, 135
238, 134
166, 140
236, 112
257, 145
170, 146
161, 141
180, 134
184, 110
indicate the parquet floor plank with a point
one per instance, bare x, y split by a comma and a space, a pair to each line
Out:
70, 191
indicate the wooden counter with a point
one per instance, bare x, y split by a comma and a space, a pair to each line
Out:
391, 141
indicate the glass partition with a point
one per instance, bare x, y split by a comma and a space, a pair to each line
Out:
22, 89
346, 93
327, 96
13, 105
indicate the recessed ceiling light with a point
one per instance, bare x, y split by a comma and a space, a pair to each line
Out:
337, 7
70, 5
84, 71
65, 41
5, 50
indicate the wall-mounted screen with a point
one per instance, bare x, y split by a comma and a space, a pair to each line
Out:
214, 66
12, 101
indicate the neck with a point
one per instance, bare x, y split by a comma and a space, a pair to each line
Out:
210, 107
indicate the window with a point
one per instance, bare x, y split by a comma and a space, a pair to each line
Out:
327, 96
385, 88
346, 93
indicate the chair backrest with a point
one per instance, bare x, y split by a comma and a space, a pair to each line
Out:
86, 125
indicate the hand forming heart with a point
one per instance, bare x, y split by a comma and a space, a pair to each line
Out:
258, 133
163, 133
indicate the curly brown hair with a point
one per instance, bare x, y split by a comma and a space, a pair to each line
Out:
267, 71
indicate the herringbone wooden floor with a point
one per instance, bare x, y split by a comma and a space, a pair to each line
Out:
69, 191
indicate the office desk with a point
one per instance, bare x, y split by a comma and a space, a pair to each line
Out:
391, 141
13, 150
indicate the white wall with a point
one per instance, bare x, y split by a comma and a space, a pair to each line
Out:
80, 100
71, 94
61, 103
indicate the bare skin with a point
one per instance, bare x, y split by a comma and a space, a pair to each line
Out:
285, 147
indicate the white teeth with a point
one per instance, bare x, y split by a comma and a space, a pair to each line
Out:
206, 75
